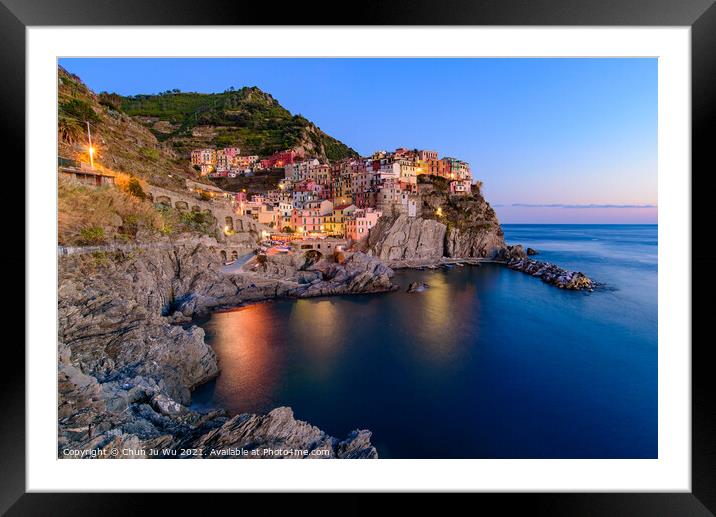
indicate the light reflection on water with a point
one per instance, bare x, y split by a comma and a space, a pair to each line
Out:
486, 362
245, 340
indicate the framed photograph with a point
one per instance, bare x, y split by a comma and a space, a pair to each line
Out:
445, 249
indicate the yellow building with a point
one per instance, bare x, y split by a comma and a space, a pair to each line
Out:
335, 224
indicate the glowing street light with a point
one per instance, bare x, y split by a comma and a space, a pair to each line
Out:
90, 148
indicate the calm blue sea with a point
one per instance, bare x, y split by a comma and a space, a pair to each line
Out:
486, 363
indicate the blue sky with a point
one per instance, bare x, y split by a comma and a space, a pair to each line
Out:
568, 140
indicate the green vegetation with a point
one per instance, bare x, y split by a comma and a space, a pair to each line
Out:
100, 258
92, 235
463, 212
72, 116
149, 153
134, 187
90, 216
247, 117
111, 100
175, 221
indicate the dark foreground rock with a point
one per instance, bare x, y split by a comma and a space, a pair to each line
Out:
126, 373
532, 251
279, 435
553, 274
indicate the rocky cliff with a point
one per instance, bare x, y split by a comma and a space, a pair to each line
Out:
459, 227
126, 372
407, 241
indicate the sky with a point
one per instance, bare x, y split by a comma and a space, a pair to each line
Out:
553, 140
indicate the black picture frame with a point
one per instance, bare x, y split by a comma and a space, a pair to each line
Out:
700, 15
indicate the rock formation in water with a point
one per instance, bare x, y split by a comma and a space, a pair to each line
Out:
458, 227
126, 373
417, 287
552, 274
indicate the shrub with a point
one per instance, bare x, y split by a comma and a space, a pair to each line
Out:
135, 188
101, 258
82, 212
111, 100
204, 196
92, 235
78, 110
149, 153
69, 129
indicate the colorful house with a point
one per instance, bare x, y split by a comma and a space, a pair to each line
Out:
460, 187
335, 223
360, 222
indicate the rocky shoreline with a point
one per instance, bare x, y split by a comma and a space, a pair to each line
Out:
126, 368
130, 354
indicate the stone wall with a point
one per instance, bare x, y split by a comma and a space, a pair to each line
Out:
221, 210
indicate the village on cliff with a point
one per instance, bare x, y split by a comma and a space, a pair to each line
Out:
340, 200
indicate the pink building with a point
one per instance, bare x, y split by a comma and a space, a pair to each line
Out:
307, 220
360, 222
460, 187
232, 152
281, 159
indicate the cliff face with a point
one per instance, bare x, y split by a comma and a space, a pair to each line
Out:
474, 242
404, 240
460, 227
126, 372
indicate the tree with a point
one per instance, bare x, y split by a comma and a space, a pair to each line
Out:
69, 129
135, 188
111, 100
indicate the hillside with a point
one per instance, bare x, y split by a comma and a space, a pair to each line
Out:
248, 118
121, 143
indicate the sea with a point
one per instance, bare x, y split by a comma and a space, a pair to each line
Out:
485, 363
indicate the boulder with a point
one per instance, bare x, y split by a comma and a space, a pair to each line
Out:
417, 287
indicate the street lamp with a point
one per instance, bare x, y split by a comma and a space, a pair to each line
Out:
90, 148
